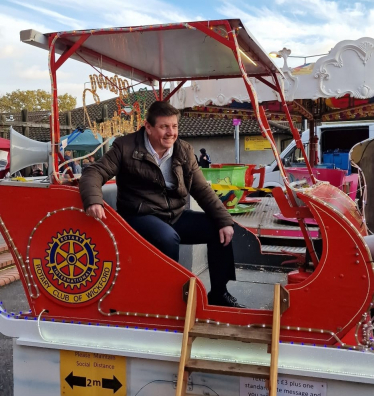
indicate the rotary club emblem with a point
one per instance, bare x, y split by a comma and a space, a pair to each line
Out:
72, 273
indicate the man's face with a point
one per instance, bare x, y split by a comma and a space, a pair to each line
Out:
164, 134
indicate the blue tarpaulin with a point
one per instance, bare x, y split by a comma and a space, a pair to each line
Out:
85, 141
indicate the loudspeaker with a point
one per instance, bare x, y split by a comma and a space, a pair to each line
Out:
25, 152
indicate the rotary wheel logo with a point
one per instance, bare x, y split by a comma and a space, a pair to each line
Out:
73, 273
72, 259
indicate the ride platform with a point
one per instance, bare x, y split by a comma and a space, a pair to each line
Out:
262, 222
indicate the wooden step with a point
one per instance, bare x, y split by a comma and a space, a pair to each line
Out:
6, 259
235, 333
8, 275
3, 246
263, 335
224, 368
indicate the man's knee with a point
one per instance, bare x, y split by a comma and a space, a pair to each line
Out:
167, 237
158, 233
196, 228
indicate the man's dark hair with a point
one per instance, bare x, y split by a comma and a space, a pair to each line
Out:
161, 109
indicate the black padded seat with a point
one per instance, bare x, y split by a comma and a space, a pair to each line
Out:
370, 242
110, 194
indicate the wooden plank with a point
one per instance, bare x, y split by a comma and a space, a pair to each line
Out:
8, 275
284, 300
275, 342
3, 246
187, 340
6, 259
234, 333
225, 368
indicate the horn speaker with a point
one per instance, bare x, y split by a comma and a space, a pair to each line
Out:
25, 152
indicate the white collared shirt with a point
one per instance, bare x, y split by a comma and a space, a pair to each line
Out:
164, 163
153, 153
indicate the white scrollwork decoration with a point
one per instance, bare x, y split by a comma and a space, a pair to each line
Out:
200, 102
290, 85
216, 100
364, 49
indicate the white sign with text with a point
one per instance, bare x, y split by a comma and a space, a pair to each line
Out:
286, 387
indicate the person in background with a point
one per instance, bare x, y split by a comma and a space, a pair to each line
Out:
68, 155
91, 159
37, 170
85, 163
204, 161
78, 167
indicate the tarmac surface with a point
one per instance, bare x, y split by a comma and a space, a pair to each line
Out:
14, 300
252, 288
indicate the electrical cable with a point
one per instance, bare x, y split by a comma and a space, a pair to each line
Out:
173, 382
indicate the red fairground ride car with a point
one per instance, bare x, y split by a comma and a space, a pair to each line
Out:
75, 268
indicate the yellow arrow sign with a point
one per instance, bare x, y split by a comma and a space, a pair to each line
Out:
92, 374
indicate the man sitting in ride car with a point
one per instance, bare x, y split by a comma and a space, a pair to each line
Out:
154, 172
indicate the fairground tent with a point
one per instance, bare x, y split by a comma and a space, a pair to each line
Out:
85, 141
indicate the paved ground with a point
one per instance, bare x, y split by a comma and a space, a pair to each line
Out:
14, 299
252, 288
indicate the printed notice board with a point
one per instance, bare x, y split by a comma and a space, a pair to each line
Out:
92, 374
256, 143
286, 386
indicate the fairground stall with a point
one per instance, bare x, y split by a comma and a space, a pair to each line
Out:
111, 314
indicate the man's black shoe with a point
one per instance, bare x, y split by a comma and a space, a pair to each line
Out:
224, 300
231, 297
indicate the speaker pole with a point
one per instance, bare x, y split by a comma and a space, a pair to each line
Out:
26, 132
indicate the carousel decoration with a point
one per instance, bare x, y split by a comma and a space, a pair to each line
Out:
128, 117
212, 112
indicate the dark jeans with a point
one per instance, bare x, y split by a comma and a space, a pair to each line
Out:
192, 228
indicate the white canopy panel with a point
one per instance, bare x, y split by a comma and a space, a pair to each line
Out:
346, 69
164, 52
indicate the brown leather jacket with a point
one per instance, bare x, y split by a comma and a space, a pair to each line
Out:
141, 186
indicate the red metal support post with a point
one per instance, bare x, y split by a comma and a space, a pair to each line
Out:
160, 90
55, 124
113, 62
261, 116
176, 89
312, 151
66, 55
294, 131
154, 91
211, 33
266, 82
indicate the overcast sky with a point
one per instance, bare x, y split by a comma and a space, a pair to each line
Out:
307, 27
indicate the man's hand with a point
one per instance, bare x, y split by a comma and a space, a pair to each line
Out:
226, 234
96, 211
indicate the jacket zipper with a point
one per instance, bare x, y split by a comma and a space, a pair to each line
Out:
166, 196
